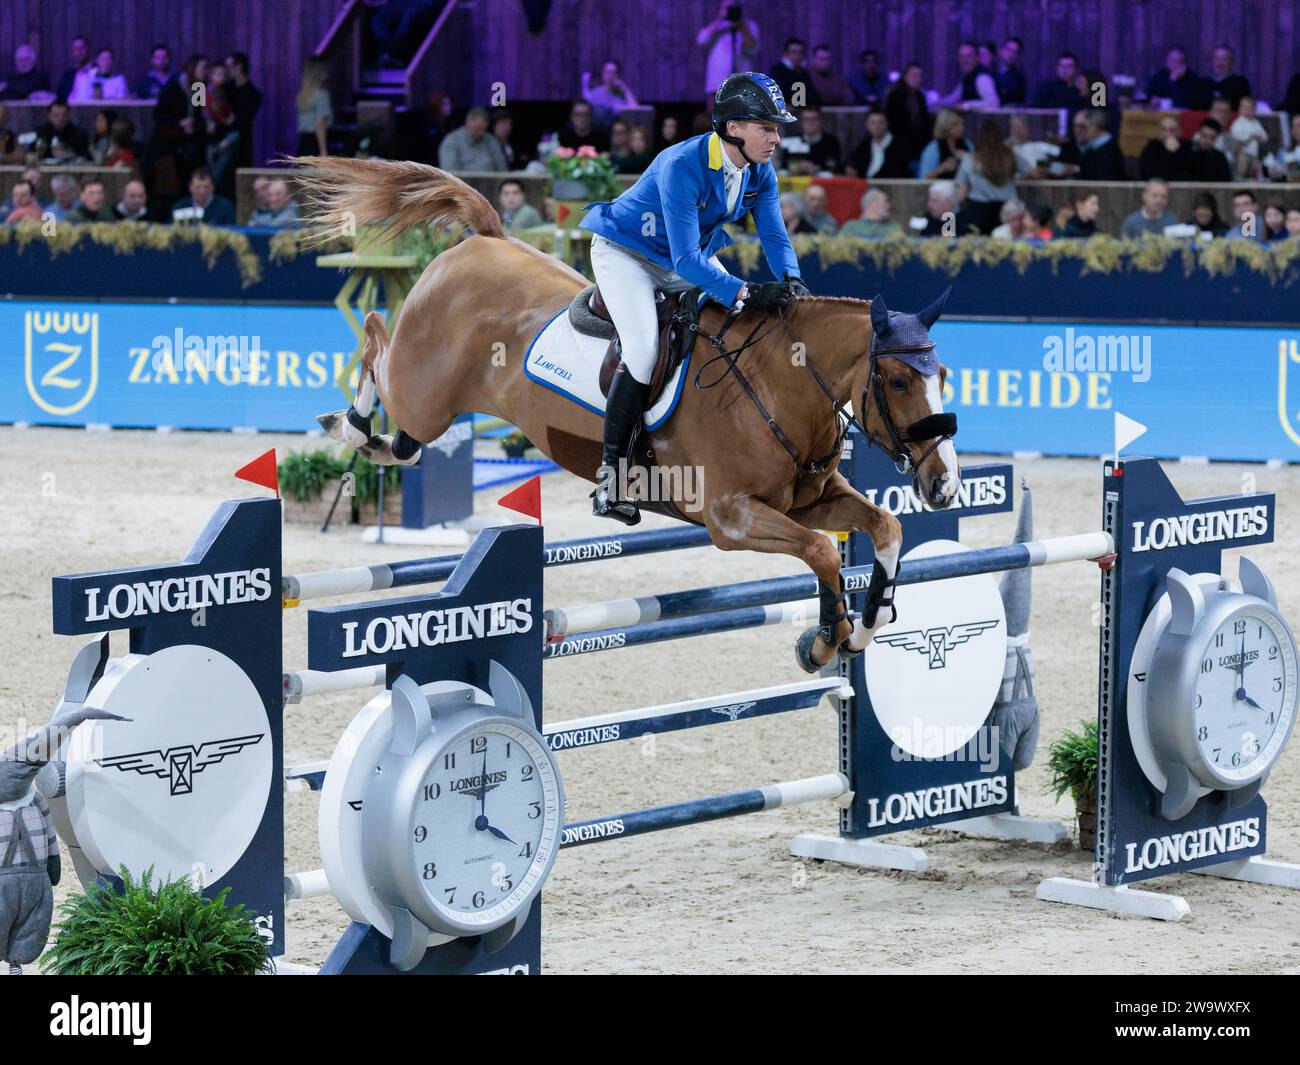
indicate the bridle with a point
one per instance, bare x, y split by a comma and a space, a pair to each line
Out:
939, 428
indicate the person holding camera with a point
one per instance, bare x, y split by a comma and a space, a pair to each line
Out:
732, 41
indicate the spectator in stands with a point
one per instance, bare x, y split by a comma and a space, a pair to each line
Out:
1154, 216
869, 83
177, 144
1008, 78
792, 76
80, 51
813, 151
1293, 223
1221, 112
25, 208
635, 155
1274, 222
261, 195
668, 132
153, 79
64, 189
516, 213
943, 155
59, 139
610, 95
732, 41
34, 178
792, 214
471, 147
100, 139
203, 205
832, 87
1083, 222
940, 211
100, 80
987, 53
1245, 215
582, 129
1286, 166
880, 155
245, 101
1016, 222
1208, 163
92, 206
134, 205
1205, 215
907, 112
975, 85
1034, 155
503, 127
26, 78
1042, 227
1060, 91
1094, 87
315, 112
121, 137
986, 178
1177, 85
280, 212
1249, 139
9, 150
1168, 156
1223, 84
398, 27
815, 213
1093, 155
221, 130
874, 222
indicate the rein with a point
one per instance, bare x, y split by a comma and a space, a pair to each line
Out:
940, 427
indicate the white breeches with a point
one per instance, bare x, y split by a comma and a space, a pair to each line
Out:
628, 283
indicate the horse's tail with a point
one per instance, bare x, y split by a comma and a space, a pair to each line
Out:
345, 194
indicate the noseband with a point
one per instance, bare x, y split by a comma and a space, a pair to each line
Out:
939, 427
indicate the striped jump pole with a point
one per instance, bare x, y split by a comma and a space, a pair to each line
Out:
697, 811
321, 584
312, 883
625, 613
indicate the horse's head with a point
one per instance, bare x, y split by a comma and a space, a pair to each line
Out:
899, 400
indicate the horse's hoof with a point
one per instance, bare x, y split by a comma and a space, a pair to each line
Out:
856, 643
338, 427
803, 651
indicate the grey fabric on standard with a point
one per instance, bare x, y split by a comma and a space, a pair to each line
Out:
1015, 713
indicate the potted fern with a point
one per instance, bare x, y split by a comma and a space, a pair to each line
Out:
1072, 767
309, 480
170, 930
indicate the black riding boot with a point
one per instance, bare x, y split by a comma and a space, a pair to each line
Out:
623, 413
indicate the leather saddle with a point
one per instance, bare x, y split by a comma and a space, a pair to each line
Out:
674, 313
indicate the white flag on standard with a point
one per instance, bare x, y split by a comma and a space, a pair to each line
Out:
1126, 431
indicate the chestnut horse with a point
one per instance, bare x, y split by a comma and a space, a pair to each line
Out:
762, 434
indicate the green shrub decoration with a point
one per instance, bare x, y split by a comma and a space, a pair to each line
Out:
1072, 762
306, 475
171, 931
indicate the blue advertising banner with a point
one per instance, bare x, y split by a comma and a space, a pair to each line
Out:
1222, 393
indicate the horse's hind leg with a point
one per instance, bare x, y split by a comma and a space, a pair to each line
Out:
352, 426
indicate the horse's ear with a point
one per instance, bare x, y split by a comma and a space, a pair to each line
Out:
880, 317
931, 314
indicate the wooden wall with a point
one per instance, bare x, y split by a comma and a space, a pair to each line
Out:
276, 34
655, 39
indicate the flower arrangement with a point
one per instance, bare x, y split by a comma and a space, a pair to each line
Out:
588, 166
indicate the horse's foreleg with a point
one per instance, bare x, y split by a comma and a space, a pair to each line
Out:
746, 524
842, 508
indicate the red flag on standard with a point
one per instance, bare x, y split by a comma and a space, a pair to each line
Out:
262, 471
526, 499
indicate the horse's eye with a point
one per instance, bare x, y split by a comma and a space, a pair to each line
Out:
898, 384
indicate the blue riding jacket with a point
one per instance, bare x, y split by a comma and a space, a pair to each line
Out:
675, 212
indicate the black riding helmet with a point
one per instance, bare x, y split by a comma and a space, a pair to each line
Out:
748, 96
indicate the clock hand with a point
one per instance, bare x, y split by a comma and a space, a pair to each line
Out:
482, 824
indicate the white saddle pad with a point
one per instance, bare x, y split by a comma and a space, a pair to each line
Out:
568, 362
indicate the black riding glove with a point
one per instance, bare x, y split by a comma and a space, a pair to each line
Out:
769, 296
797, 287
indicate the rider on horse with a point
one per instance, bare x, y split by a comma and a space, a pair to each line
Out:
664, 234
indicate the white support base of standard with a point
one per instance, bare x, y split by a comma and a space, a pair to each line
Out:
1012, 826
865, 853
1258, 870
1121, 899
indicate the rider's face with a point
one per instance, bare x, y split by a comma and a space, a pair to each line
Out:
761, 139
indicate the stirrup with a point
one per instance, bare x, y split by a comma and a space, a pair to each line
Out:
605, 504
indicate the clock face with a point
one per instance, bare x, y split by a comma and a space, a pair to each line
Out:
485, 823
1245, 694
